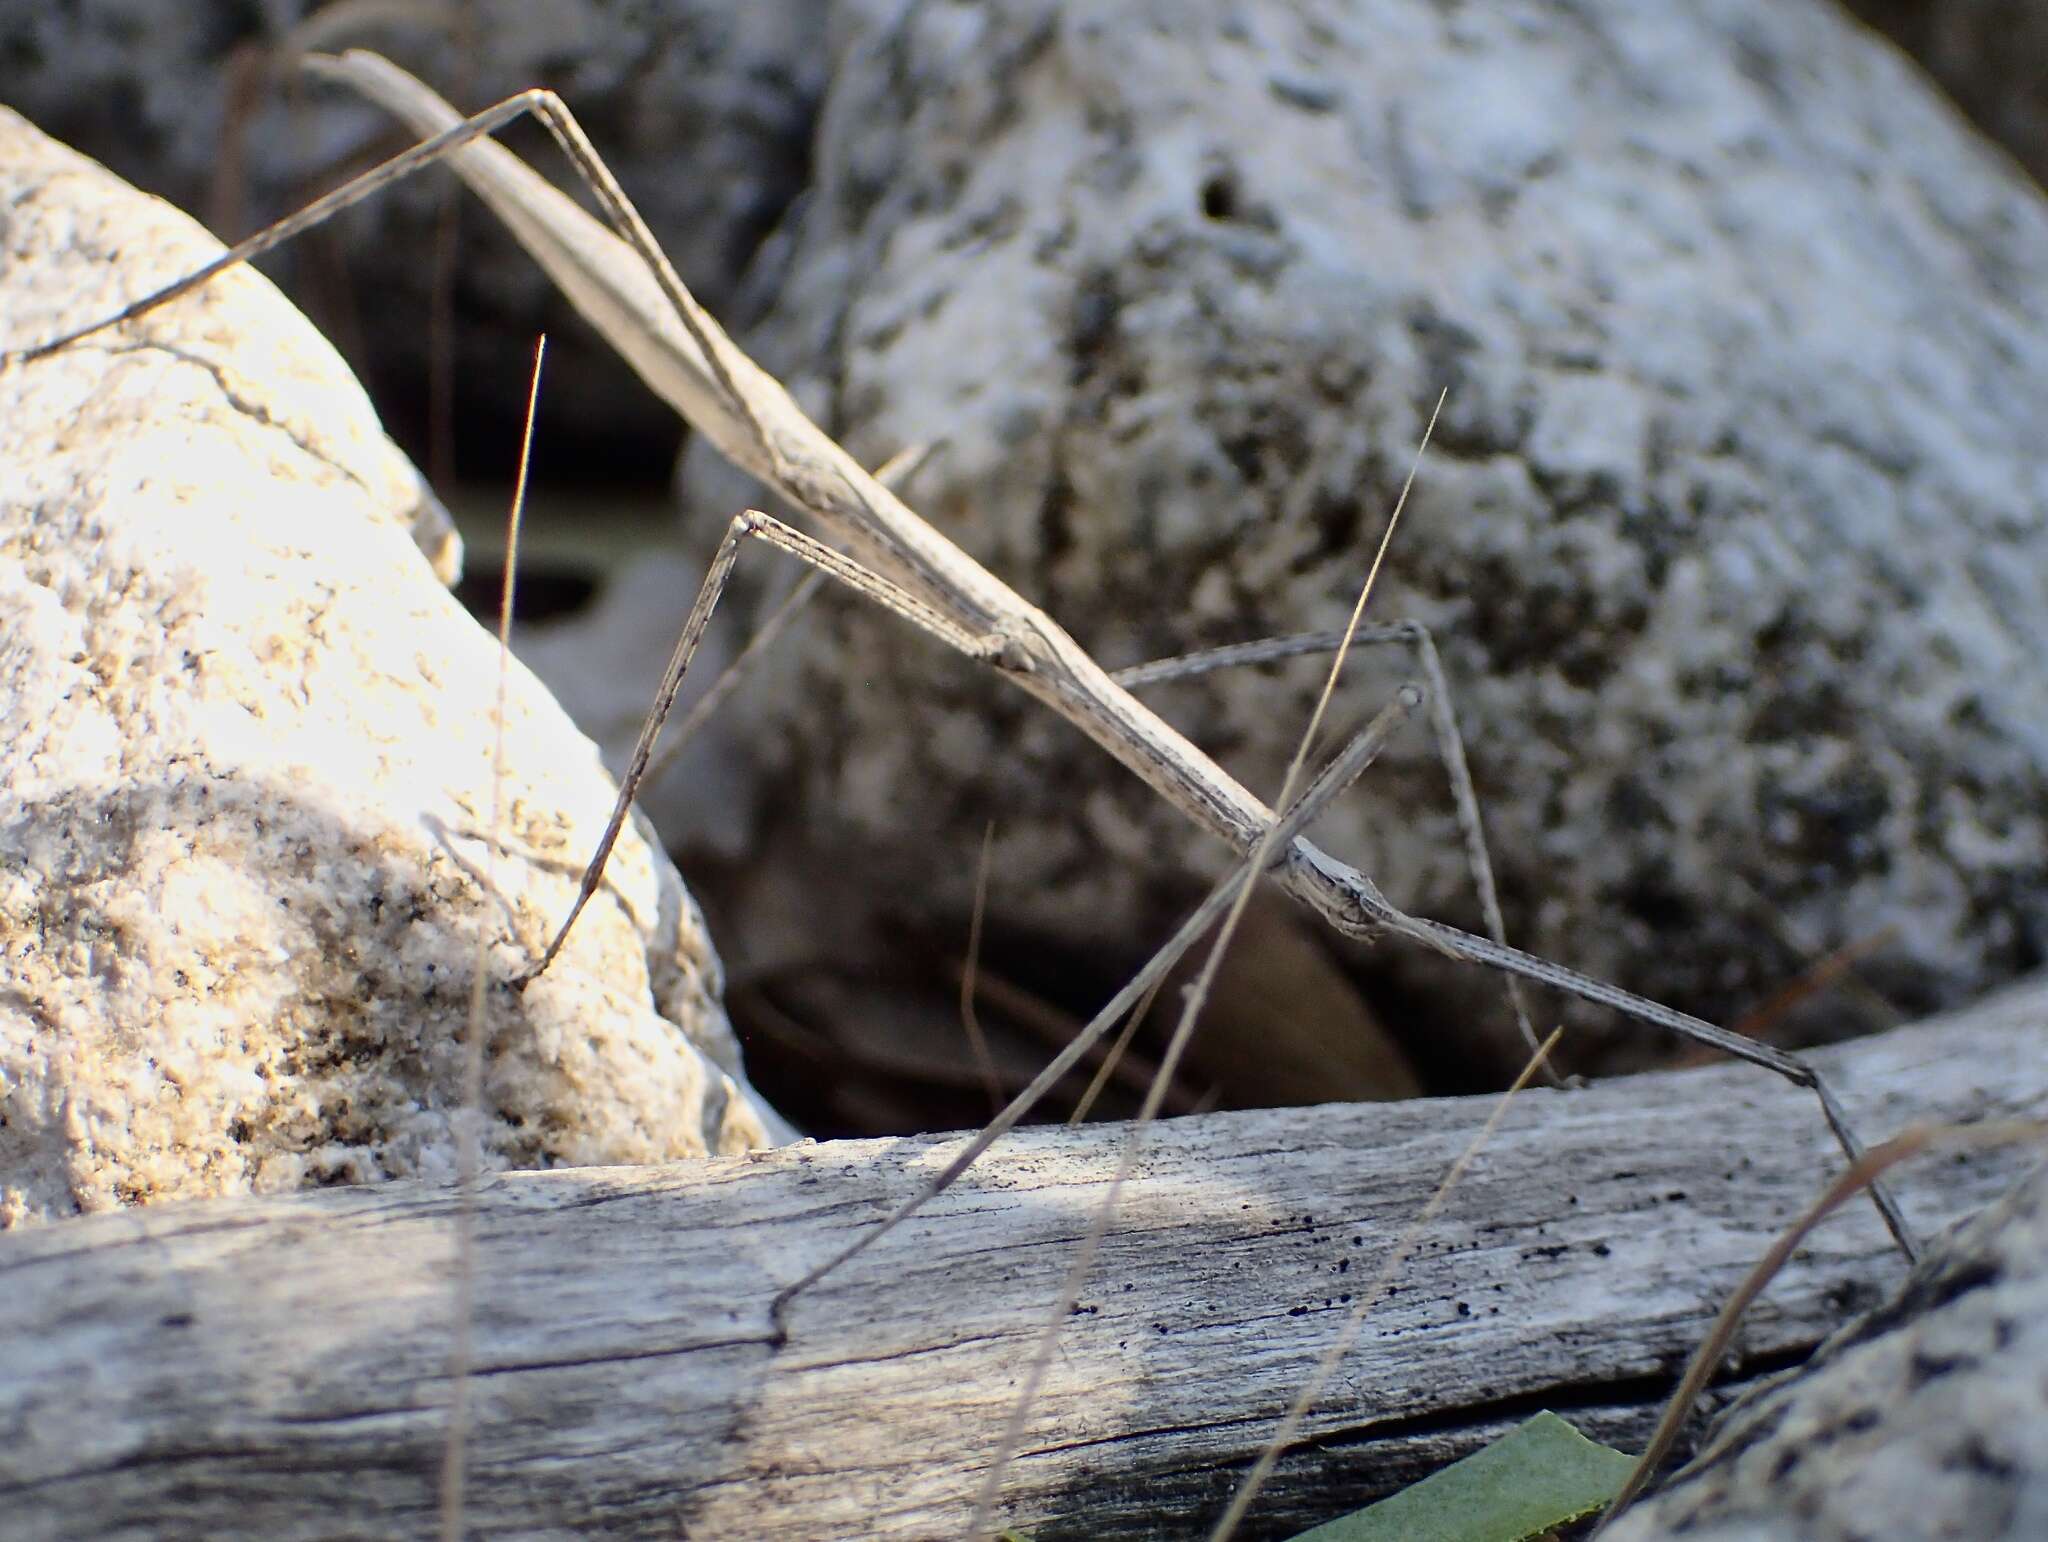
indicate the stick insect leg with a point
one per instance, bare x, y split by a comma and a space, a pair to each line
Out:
1502, 955
750, 525
394, 90
352, 192
899, 469
1450, 743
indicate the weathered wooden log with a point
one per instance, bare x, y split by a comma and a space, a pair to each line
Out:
278, 1366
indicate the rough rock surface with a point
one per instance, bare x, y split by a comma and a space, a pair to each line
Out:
1990, 55
703, 109
1732, 530
246, 783
1928, 1418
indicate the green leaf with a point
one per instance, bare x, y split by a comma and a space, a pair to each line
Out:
1540, 1475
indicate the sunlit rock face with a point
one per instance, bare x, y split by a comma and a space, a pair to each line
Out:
246, 786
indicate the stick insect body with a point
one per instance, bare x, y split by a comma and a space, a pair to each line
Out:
625, 286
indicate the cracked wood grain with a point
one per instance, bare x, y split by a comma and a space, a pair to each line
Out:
276, 1366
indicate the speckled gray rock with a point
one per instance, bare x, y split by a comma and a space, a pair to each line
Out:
1732, 529
704, 110
1990, 55
1927, 1419
246, 787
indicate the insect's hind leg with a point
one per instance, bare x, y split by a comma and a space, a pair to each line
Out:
1443, 720
1451, 745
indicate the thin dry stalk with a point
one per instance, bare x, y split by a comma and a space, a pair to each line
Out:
1354, 1322
468, 1155
969, 974
1119, 1055
1815, 978
1334, 779
1191, 1011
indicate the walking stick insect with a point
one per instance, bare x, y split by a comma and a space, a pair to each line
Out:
625, 286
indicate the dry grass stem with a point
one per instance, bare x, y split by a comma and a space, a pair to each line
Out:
468, 1140
1354, 1322
1191, 1011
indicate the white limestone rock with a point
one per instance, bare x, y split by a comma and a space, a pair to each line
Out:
1926, 1419
246, 786
1732, 530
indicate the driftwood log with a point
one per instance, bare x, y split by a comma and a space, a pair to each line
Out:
277, 1366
